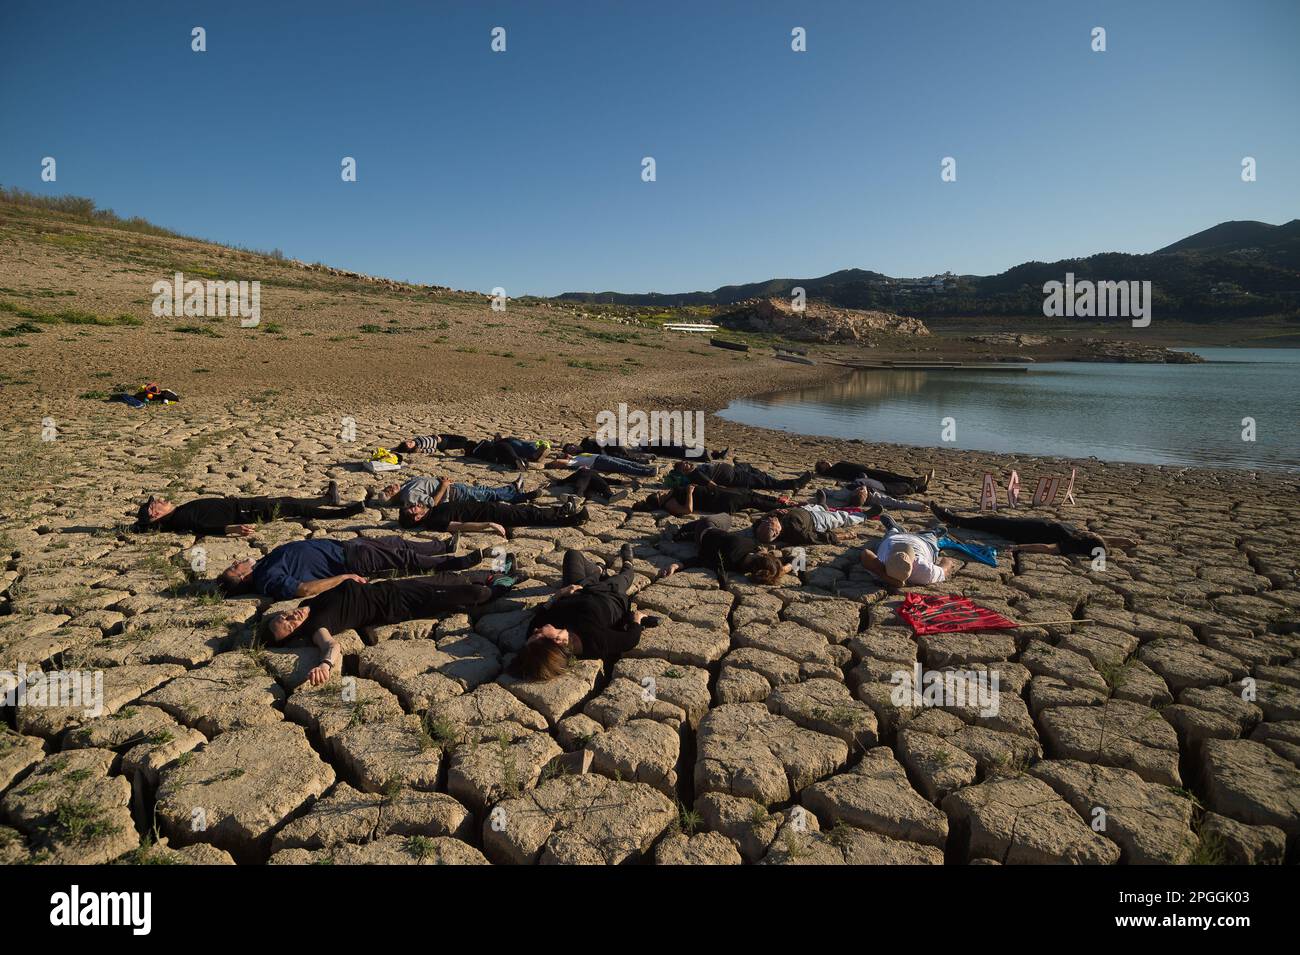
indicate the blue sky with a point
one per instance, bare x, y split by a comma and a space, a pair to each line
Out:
523, 169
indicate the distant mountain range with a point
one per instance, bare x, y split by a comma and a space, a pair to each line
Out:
1232, 270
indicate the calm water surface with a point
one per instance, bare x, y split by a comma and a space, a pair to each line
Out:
1153, 414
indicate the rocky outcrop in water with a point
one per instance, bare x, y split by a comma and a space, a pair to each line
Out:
817, 322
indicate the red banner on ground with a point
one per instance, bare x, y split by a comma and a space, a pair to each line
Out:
935, 614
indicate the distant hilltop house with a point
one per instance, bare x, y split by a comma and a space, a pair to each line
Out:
926, 285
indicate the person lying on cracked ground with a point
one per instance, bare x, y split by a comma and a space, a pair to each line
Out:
720, 549
352, 605
491, 516
810, 524
589, 617
431, 492
727, 474
1034, 535
310, 567
235, 516
702, 499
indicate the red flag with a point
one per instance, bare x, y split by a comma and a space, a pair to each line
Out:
930, 613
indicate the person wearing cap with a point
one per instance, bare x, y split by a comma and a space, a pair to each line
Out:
904, 559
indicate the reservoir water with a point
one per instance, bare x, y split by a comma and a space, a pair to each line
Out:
1153, 414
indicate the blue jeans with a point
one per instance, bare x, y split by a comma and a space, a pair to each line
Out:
477, 492
605, 462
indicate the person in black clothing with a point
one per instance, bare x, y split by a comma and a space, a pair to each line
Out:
587, 484
513, 453
720, 550
353, 605
590, 617
492, 516
702, 499
1034, 535
723, 474
235, 516
896, 485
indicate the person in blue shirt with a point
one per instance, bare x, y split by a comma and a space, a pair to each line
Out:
310, 567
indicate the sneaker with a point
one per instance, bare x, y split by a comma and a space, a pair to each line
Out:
582, 516
616, 497
332, 493
648, 622
454, 544
925, 483
625, 553
519, 482
804, 478
820, 497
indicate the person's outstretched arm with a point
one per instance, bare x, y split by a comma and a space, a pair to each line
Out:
331, 659
470, 527
310, 588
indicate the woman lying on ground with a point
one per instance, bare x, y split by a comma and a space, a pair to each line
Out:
353, 605
491, 516
585, 483
721, 551
310, 567
1034, 535
590, 617
434, 491
235, 516
698, 499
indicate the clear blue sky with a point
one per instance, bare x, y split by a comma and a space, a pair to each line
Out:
523, 169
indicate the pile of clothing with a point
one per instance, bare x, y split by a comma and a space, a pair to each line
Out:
147, 394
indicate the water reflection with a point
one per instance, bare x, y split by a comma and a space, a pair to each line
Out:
1165, 414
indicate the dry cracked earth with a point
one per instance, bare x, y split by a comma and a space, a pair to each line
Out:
755, 725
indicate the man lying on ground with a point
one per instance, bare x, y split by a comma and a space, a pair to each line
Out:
311, 567
491, 516
720, 550
601, 462
431, 492
591, 617
702, 499
874, 479
862, 496
353, 605
1033, 535
724, 474
903, 558
235, 516
808, 524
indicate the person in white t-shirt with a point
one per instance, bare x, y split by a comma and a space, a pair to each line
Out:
904, 559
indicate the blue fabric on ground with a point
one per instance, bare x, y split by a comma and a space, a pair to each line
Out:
977, 552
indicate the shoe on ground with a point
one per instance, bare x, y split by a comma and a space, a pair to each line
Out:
616, 497
821, 497
625, 553
332, 493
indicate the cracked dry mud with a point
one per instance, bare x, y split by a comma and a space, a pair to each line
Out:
755, 725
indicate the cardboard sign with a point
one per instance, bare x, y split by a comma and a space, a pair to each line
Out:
1013, 489
1069, 488
989, 493
1046, 491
